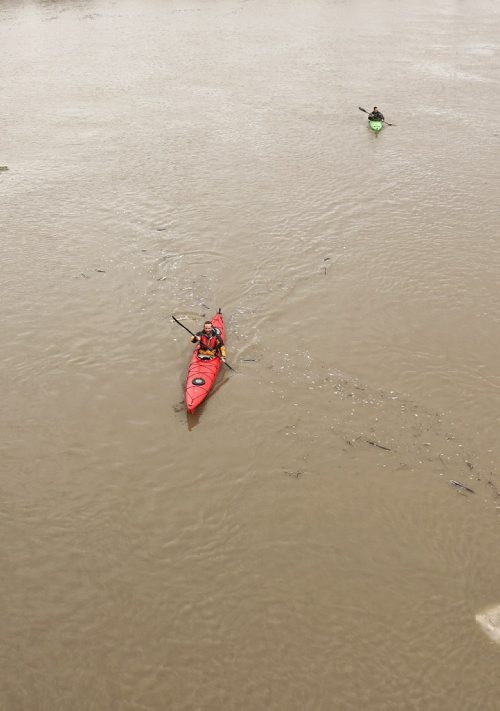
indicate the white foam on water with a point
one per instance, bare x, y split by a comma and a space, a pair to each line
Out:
489, 621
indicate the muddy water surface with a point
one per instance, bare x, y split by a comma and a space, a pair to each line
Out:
296, 544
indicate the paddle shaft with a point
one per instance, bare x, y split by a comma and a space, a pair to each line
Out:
194, 334
184, 327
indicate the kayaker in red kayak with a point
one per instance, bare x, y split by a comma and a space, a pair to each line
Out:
376, 115
211, 343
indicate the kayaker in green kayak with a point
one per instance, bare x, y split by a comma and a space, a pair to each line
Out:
211, 343
376, 115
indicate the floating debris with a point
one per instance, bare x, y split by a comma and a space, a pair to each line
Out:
294, 474
4, 167
380, 446
101, 271
461, 486
494, 487
85, 276
489, 621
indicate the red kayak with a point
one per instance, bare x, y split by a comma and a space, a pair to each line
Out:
202, 374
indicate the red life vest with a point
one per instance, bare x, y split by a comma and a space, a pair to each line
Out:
208, 343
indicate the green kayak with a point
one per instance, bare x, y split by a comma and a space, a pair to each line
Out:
376, 125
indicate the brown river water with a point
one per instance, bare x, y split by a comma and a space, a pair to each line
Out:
296, 544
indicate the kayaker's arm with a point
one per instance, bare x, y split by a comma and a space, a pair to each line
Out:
222, 349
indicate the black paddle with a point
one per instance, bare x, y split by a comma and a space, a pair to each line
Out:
383, 120
194, 334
